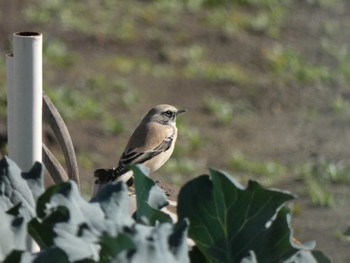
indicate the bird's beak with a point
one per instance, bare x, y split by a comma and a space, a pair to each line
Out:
181, 111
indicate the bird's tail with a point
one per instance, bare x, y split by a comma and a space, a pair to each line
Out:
106, 176
103, 176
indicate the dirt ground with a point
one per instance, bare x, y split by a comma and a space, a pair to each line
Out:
282, 127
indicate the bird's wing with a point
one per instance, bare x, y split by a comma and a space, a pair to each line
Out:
143, 154
147, 141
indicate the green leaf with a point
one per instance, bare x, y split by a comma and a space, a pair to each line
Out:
15, 211
43, 231
149, 198
12, 233
70, 229
52, 255
15, 190
178, 240
44, 199
17, 256
152, 245
69, 222
35, 179
18, 192
306, 256
227, 221
114, 202
320, 257
112, 246
196, 256
347, 232
250, 259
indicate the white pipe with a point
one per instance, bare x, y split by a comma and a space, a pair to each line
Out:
27, 84
10, 105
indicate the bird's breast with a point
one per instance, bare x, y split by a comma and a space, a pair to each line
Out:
156, 162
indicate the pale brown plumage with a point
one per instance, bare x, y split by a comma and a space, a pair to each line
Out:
151, 145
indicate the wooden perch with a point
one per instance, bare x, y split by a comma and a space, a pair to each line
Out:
54, 119
54, 167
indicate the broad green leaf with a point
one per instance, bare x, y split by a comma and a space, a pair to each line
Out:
347, 232
112, 246
19, 256
196, 256
20, 187
52, 255
12, 233
43, 231
35, 179
320, 257
250, 259
15, 211
149, 198
41, 206
18, 193
69, 222
227, 221
67, 195
103, 229
305, 256
152, 244
114, 202
178, 240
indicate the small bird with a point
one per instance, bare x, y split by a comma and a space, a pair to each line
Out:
151, 145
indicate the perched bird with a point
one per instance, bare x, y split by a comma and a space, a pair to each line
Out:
151, 145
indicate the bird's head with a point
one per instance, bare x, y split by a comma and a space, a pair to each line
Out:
164, 114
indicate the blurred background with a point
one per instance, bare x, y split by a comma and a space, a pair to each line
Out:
266, 82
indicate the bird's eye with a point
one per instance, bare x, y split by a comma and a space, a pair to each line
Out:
168, 113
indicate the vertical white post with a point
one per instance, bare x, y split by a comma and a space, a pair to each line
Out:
10, 105
27, 92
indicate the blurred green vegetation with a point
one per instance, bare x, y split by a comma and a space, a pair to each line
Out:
225, 111
269, 172
73, 104
288, 66
319, 174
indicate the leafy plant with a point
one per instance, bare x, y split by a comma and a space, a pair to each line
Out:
339, 105
324, 3
222, 109
266, 171
227, 222
57, 53
219, 72
18, 194
181, 169
69, 229
182, 55
264, 16
318, 193
288, 65
111, 124
68, 102
318, 174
